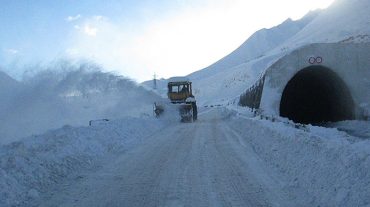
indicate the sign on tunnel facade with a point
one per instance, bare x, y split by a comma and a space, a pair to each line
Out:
316, 83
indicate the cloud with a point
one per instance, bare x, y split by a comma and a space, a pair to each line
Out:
11, 51
73, 18
109, 44
99, 18
90, 31
72, 52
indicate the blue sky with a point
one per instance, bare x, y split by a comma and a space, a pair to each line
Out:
135, 38
39, 27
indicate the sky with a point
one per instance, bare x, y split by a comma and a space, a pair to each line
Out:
134, 38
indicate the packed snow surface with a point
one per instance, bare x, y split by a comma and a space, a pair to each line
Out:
227, 157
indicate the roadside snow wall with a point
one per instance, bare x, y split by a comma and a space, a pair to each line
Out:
316, 83
31, 167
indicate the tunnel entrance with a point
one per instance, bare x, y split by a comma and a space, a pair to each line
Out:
316, 95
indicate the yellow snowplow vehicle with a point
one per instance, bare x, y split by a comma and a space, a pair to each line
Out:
180, 93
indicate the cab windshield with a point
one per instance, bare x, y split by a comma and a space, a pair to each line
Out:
179, 89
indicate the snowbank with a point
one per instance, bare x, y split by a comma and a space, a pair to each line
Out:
316, 166
358, 128
35, 164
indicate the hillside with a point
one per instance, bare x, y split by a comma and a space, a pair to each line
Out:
344, 21
6, 82
8, 88
255, 46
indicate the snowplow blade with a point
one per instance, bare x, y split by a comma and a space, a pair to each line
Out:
186, 113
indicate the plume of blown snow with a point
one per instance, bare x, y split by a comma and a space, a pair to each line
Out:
67, 93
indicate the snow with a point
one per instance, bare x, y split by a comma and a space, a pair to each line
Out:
8, 88
316, 167
184, 163
229, 77
337, 57
342, 20
257, 45
345, 21
68, 94
36, 164
178, 79
6, 82
230, 156
358, 128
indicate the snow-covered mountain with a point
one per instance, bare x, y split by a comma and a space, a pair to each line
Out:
255, 46
6, 82
344, 21
259, 43
8, 88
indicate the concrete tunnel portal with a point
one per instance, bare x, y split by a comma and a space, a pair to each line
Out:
314, 84
315, 95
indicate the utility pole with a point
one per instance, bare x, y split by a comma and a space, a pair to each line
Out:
155, 81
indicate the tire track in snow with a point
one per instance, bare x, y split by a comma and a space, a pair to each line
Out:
234, 174
245, 153
200, 164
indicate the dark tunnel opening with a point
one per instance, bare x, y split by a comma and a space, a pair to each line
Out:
316, 95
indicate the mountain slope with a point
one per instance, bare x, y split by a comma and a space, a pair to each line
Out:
8, 88
6, 82
220, 74
259, 43
344, 21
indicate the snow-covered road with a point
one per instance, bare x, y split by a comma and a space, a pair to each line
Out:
200, 164
226, 158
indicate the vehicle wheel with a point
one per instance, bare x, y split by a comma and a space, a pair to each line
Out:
195, 111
